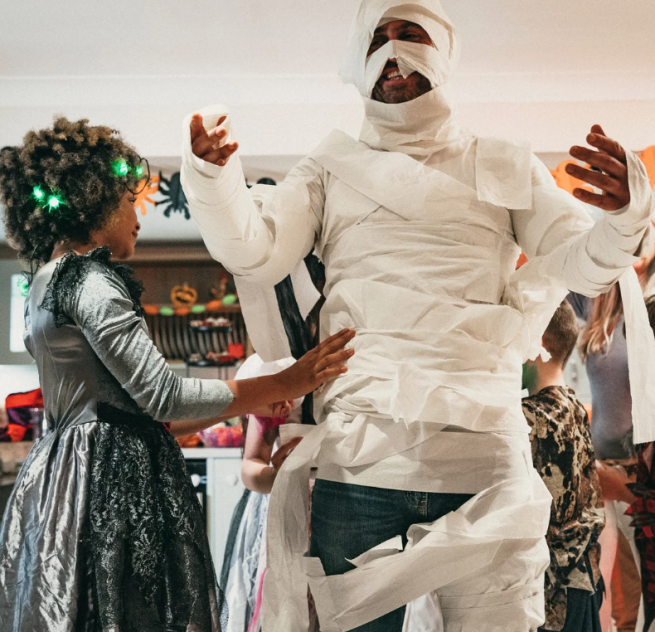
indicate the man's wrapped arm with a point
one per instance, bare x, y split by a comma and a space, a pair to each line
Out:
587, 258
259, 234
566, 250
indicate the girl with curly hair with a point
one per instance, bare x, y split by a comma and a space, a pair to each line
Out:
103, 531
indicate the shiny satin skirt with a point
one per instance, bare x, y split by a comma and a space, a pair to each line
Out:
103, 532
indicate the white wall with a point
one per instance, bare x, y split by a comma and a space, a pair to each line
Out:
17, 379
289, 115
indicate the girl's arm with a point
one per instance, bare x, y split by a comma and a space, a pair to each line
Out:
260, 466
185, 428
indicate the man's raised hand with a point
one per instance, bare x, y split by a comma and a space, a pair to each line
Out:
211, 146
610, 174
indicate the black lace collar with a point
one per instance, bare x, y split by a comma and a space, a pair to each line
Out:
72, 270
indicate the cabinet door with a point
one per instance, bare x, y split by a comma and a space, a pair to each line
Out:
224, 490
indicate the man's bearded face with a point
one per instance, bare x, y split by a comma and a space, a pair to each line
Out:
392, 87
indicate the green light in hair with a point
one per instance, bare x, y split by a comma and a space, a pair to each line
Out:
38, 194
120, 168
139, 171
23, 286
54, 202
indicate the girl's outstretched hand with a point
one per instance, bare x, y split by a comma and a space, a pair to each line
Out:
325, 362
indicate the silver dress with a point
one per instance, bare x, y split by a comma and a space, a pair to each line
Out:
103, 531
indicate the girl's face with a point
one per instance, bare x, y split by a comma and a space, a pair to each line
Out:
121, 231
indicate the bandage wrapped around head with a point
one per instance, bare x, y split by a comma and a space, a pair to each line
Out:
436, 62
416, 127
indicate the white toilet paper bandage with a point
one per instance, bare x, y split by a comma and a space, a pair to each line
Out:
410, 57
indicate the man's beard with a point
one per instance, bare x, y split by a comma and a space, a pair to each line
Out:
401, 94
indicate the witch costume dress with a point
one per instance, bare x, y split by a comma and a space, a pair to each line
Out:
103, 531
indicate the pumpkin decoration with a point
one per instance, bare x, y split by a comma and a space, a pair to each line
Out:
214, 306
151, 310
183, 296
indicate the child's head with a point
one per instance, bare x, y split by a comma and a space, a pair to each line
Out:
561, 335
559, 339
67, 182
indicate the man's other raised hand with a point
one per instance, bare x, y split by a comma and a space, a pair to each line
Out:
211, 146
610, 174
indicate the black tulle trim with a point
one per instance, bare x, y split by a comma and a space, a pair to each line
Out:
72, 271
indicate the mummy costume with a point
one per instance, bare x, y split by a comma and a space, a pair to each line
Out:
419, 226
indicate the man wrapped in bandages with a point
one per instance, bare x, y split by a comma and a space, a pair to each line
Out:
427, 513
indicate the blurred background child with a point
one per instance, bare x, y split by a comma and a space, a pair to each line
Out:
564, 457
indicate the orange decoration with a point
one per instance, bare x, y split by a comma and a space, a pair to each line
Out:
183, 296
522, 259
143, 198
182, 311
190, 441
567, 182
151, 310
214, 306
648, 158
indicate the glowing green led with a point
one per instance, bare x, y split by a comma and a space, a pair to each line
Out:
120, 167
38, 194
139, 171
54, 202
23, 287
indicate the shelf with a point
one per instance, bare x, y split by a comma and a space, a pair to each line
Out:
211, 453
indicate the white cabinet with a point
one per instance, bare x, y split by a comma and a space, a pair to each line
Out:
224, 489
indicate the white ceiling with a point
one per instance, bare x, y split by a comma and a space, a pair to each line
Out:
214, 37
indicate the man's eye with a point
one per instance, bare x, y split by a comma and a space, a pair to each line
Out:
376, 43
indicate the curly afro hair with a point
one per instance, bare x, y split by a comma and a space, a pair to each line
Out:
74, 161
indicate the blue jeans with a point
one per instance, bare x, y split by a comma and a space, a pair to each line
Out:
350, 519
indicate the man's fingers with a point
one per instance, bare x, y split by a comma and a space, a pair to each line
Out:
605, 202
221, 120
597, 129
197, 128
202, 145
601, 160
599, 180
217, 135
221, 155
226, 152
609, 146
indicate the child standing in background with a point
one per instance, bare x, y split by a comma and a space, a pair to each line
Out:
245, 565
563, 455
